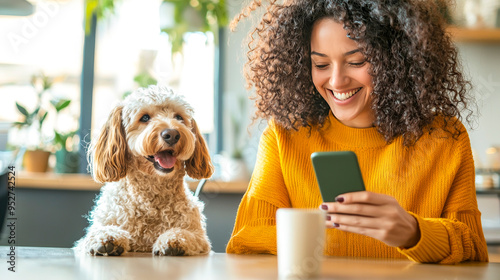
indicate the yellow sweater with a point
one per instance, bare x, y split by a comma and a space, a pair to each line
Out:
433, 180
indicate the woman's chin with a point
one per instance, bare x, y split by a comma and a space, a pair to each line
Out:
353, 120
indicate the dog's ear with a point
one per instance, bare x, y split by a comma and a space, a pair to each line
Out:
199, 166
108, 152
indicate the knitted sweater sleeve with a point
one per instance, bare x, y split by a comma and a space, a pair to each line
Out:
457, 235
255, 226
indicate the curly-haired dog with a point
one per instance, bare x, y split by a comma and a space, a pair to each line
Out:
143, 152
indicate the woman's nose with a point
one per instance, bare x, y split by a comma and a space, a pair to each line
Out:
338, 77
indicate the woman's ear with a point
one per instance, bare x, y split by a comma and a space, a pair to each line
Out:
199, 166
108, 152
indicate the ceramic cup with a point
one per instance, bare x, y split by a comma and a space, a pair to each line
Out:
300, 241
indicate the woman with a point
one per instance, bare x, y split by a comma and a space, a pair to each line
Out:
382, 79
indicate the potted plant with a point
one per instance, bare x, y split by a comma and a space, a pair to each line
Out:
37, 152
67, 157
38, 140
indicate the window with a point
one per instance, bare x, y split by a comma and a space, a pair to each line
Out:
129, 48
49, 40
131, 51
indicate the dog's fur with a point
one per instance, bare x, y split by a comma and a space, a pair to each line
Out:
145, 205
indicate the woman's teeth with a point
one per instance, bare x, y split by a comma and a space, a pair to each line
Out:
345, 95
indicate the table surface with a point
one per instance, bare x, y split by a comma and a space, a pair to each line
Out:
62, 263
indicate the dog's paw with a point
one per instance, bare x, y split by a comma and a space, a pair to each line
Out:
181, 242
170, 248
104, 241
107, 248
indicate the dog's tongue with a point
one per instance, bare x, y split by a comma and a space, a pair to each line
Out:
165, 160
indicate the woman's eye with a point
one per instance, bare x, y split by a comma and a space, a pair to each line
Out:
320, 66
178, 117
145, 118
357, 64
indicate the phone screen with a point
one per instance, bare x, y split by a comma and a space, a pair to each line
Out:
337, 173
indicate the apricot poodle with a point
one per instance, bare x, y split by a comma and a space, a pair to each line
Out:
147, 146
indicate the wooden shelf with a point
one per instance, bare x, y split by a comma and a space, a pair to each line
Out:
51, 180
477, 35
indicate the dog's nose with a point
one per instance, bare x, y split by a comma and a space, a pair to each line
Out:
171, 136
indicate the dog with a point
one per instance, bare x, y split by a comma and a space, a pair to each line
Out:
148, 144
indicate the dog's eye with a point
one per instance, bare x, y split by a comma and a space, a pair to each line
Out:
145, 118
178, 117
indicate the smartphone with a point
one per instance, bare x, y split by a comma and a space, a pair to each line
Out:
337, 173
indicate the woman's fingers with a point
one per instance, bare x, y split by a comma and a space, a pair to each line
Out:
362, 203
371, 232
365, 197
375, 215
392, 232
333, 220
353, 209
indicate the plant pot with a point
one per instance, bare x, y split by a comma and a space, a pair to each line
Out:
67, 162
36, 160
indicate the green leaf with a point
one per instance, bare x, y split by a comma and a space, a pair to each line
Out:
62, 138
127, 93
22, 110
144, 79
101, 8
20, 124
35, 112
47, 83
58, 138
60, 104
42, 119
64, 105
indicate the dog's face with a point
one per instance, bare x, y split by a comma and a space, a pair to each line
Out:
155, 131
159, 129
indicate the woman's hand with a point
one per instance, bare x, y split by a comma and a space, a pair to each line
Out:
376, 215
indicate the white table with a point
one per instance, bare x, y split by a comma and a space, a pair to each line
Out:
60, 263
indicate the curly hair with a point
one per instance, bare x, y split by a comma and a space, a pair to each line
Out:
413, 61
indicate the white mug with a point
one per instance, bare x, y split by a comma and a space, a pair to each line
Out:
300, 240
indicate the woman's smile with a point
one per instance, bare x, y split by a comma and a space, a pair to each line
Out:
345, 95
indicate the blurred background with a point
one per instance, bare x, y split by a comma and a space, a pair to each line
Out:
65, 63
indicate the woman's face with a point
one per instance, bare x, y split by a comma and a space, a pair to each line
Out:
340, 74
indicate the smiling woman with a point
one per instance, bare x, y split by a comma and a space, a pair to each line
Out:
379, 78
